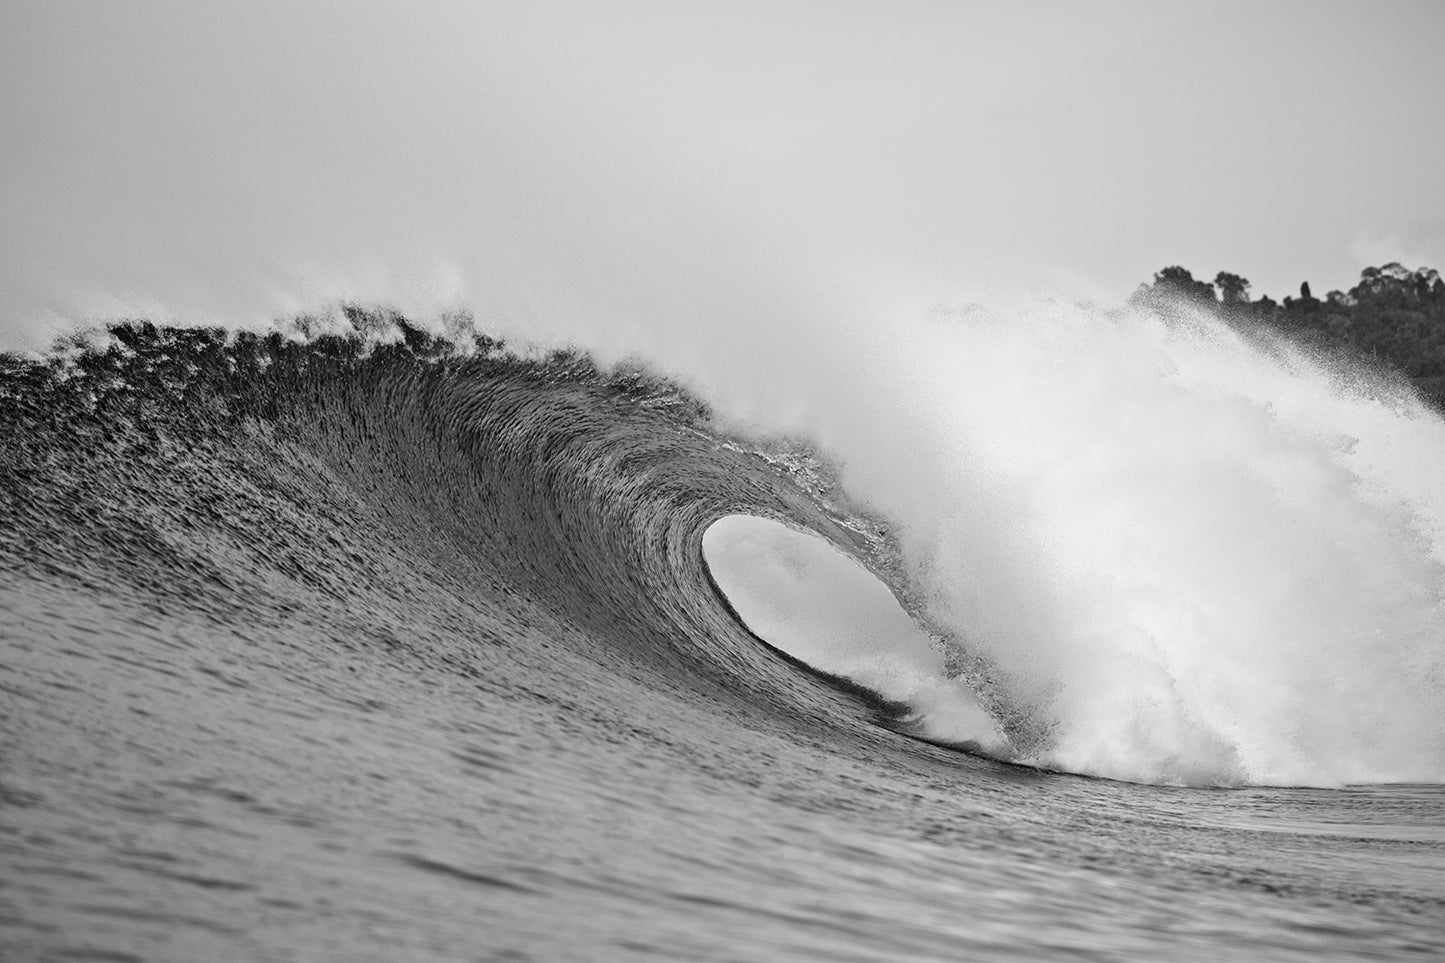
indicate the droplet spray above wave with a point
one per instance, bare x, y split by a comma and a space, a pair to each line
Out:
1174, 553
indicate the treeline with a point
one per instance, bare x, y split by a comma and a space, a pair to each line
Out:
1393, 316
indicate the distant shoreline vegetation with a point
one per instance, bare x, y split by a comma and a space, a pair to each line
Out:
1393, 316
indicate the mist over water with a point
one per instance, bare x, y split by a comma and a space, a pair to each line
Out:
1159, 549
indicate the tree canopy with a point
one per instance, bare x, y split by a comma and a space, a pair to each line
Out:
1393, 315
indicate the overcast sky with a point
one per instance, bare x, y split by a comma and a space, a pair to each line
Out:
545, 162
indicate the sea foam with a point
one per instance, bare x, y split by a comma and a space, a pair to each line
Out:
1159, 548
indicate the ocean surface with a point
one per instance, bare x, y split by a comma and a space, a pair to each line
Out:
371, 647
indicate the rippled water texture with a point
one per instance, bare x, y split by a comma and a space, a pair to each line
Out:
307, 652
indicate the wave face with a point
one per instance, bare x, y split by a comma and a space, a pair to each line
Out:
318, 645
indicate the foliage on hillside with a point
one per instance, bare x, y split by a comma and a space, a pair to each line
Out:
1393, 316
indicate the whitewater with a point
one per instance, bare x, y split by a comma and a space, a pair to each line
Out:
370, 638
1174, 551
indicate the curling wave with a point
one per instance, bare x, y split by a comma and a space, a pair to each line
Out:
1153, 549
386, 488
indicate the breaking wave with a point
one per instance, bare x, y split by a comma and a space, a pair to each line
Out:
1152, 548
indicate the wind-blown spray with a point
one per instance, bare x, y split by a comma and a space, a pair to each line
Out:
1164, 550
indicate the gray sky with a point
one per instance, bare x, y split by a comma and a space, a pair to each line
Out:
572, 165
